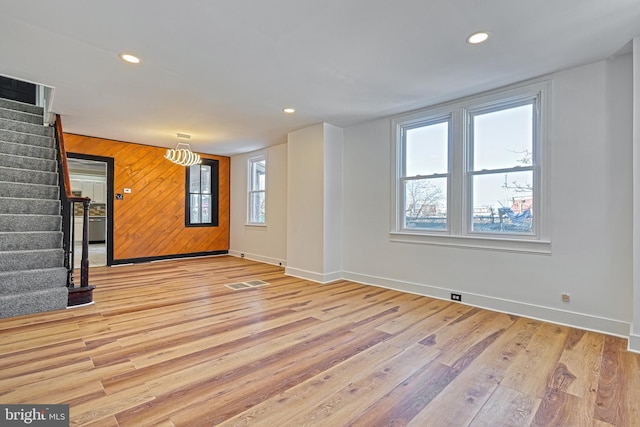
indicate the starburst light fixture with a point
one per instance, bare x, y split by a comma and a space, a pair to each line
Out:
182, 154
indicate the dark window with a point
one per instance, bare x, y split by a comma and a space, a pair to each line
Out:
202, 194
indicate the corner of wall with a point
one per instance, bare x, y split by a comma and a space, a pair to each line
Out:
634, 343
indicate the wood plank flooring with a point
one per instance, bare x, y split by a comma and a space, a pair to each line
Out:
192, 352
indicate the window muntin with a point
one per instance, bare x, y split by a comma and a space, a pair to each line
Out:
202, 199
257, 190
425, 166
477, 195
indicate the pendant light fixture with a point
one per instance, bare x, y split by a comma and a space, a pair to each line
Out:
182, 154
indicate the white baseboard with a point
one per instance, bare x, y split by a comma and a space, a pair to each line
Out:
313, 276
259, 258
547, 314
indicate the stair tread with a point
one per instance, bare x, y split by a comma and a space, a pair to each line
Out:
27, 150
27, 183
34, 271
21, 116
29, 215
24, 199
33, 250
9, 170
24, 127
21, 106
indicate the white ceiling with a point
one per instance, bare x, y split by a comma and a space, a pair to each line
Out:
223, 70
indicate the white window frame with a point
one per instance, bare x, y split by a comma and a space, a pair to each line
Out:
459, 190
251, 191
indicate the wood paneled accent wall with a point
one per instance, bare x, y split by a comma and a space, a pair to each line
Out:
149, 222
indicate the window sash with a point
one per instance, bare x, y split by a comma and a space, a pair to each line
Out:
256, 190
508, 223
425, 222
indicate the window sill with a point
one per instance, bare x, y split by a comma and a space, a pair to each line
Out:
539, 247
255, 225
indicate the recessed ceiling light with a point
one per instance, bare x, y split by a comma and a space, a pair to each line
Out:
289, 110
478, 37
129, 58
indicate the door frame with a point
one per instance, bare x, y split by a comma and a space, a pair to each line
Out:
110, 198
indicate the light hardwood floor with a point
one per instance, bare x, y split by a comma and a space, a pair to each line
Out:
167, 344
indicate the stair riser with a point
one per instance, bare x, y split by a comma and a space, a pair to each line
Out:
29, 206
27, 163
26, 139
29, 260
33, 302
26, 127
30, 241
21, 116
28, 176
20, 106
25, 150
29, 191
26, 223
12, 282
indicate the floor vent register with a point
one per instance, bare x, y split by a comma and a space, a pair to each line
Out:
246, 285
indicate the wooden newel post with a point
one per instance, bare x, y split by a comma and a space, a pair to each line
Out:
83, 294
84, 262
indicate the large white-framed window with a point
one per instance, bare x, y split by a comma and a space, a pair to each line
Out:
472, 172
257, 190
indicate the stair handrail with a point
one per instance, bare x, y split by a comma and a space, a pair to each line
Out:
68, 201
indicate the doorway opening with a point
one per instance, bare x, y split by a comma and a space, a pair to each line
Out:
92, 176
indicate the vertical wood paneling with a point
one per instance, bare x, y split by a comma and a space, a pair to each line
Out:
149, 222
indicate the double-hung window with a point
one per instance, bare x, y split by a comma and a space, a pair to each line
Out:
501, 169
424, 176
202, 194
471, 173
257, 190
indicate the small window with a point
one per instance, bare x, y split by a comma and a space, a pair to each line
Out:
257, 189
202, 194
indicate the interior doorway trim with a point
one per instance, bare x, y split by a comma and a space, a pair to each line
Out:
110, 198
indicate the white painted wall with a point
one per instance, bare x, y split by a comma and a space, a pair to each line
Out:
591, 201
590, 175
634, 338
333, 151
269, 243
305, 203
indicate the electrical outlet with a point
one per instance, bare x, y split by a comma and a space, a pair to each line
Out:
456, 297
565, 298
241, 255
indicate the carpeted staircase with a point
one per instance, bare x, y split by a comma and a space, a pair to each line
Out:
32, 272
